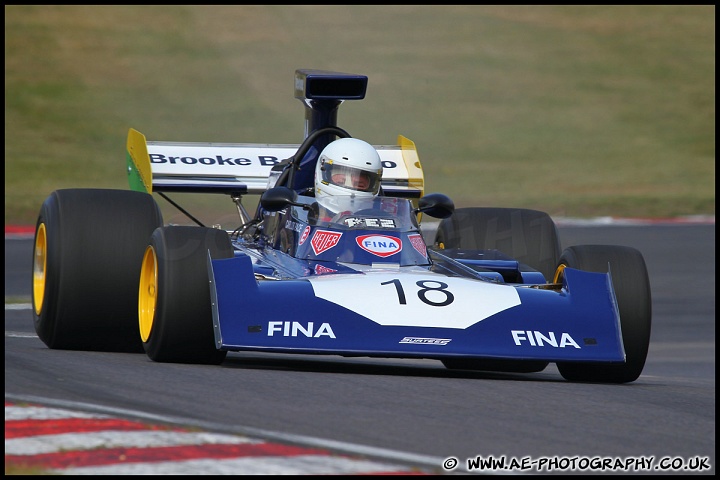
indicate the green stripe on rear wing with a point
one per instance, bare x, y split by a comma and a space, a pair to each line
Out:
244, 168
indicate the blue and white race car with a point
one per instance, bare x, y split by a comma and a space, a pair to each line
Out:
487, 289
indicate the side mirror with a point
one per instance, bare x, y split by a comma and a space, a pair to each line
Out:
277, 198
436, 205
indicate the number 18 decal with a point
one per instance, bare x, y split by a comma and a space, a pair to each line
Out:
413, 299
423, 291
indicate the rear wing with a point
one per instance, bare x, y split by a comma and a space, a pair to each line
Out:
244, 168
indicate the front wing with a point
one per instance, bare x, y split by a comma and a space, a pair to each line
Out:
415, 314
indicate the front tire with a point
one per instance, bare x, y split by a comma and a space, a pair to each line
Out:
174, 301
89, 244
632, 291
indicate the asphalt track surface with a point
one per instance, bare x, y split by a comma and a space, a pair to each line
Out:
415, 412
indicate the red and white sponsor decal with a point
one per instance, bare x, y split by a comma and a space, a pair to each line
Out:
419, 244
380, 245
324, 240
320, 269
304, 235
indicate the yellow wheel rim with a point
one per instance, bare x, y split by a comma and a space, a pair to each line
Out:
147, 300
559, 274
39, 268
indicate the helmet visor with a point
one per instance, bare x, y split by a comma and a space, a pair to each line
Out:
351, 178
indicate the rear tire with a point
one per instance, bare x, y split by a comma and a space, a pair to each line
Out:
632, 291
175, 309
528, 236
89, 244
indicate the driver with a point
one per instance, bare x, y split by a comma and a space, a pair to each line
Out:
348, 166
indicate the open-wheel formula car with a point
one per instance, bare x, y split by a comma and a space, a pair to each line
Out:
491, 290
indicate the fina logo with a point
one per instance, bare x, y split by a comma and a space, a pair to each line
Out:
380, 245
539, 339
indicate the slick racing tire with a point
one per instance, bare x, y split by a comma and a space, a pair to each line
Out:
632, 291
528, 236
89, 245
174, 306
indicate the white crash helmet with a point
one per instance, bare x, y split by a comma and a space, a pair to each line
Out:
348, 166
